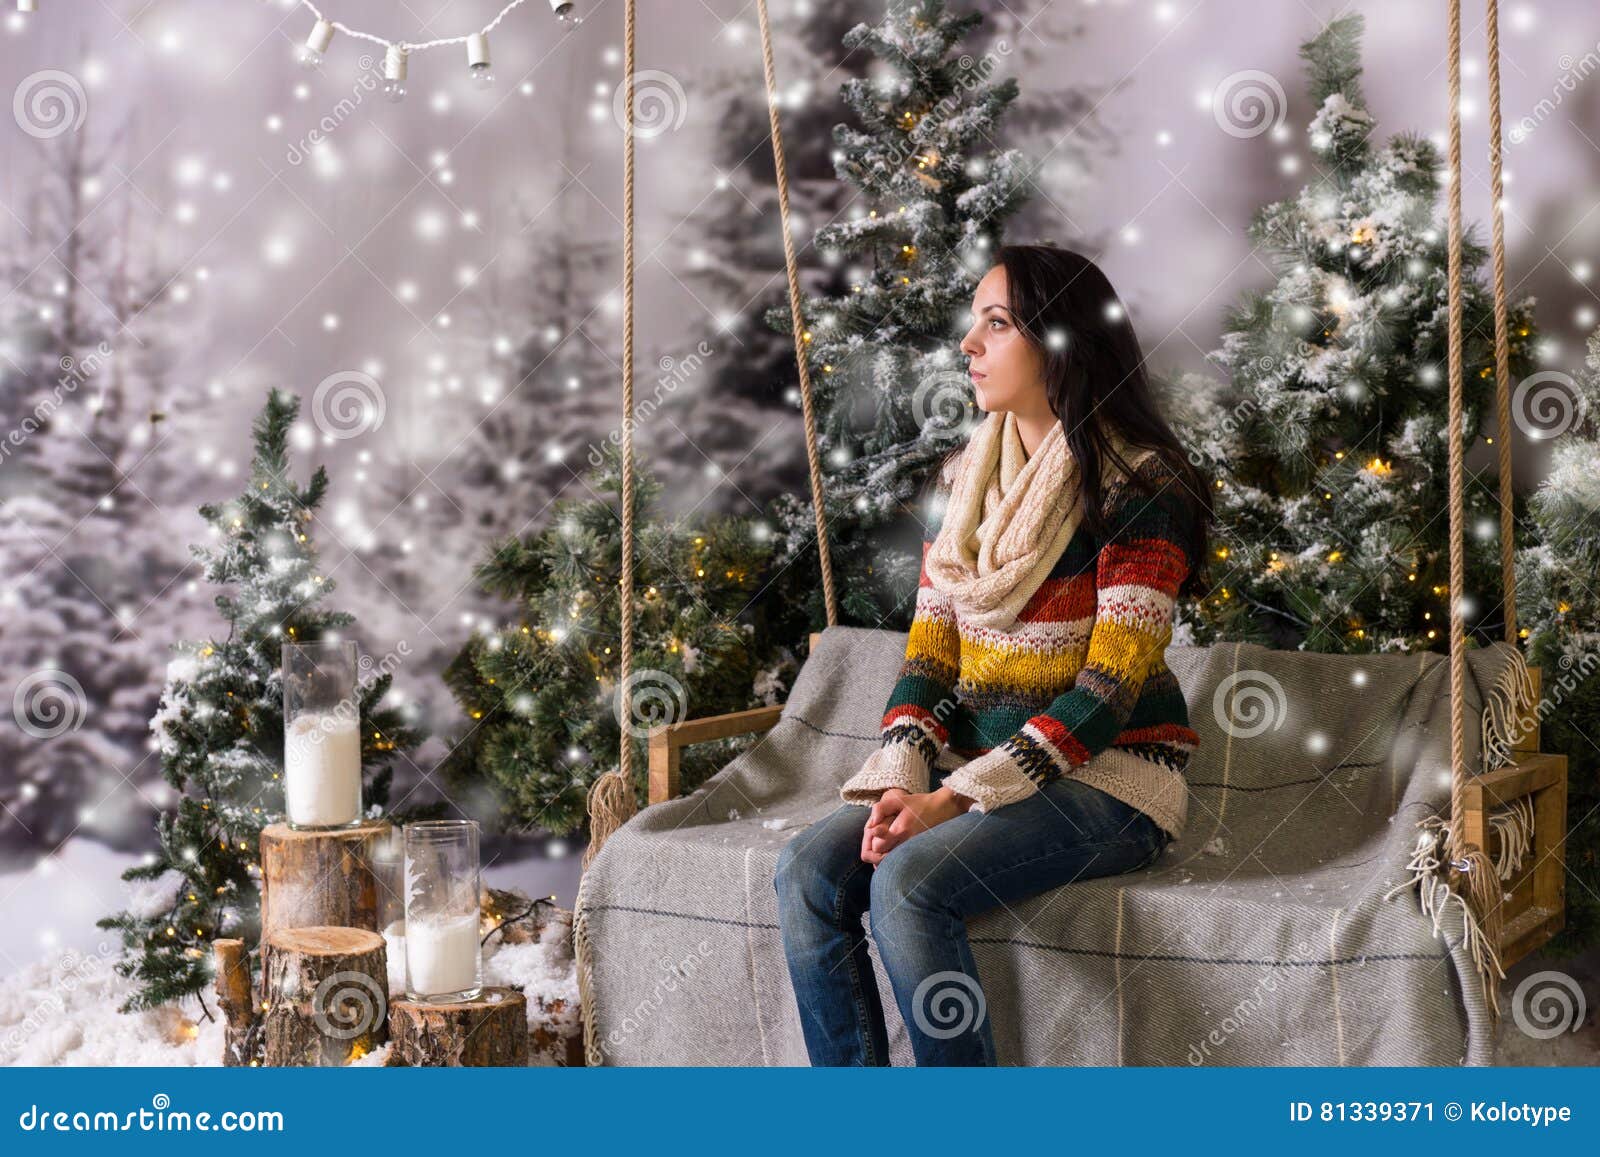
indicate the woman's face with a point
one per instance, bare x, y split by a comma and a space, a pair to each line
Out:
1007, 372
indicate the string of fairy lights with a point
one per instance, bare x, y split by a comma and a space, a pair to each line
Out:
397, 53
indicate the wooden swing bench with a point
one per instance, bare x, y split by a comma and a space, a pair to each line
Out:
1533, 907
1489, 858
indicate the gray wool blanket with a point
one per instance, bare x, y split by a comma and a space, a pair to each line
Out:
1262, 936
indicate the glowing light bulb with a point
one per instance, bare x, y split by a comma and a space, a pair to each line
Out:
316, 45
566, 12
394, 74
478, 67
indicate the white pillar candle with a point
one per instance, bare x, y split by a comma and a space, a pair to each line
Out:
322, 769
442, 955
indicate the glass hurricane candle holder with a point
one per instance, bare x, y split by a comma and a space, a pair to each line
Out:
387, 858
321, 736
443, 960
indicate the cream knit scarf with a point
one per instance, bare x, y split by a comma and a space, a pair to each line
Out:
1009, 518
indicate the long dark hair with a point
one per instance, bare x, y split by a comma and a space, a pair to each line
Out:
1095, 380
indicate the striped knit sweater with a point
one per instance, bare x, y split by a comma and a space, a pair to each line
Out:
1077, 687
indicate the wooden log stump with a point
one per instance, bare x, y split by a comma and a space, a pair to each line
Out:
315, 879
489, 1031
325, 995
241, 1016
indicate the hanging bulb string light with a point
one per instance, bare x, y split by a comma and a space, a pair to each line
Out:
397, 53
564, 10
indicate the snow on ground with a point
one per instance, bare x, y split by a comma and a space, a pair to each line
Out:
59, 993
63, 1011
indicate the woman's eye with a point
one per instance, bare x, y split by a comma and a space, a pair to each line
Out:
996, 322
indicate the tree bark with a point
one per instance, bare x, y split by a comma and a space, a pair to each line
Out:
326, 995
315, 879
489, 1031
240, 1013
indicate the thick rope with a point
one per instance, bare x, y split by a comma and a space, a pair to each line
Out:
1458, 652
1472, 875
796, 320
611, 799
1502, 342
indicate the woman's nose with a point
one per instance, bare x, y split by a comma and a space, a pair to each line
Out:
969, 346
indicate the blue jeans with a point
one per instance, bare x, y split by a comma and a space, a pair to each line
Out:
920, 896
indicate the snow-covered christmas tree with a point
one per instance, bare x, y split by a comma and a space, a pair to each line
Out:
541, 695
881, 353
1558, 605
934, 193
733, 252
220, 726
85, 488
1329, 441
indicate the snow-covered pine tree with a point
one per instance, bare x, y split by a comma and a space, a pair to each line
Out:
933, 195
732, 251
88, 327
541, 695
1558, 608
1329, 441
219, 729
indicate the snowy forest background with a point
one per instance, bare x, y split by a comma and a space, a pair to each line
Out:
439, 281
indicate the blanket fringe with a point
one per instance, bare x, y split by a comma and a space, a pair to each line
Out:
611, 804
1507, 703
1471, 882
592, 1053
1514, 822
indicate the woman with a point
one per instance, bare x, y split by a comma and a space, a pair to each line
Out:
1035, 735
